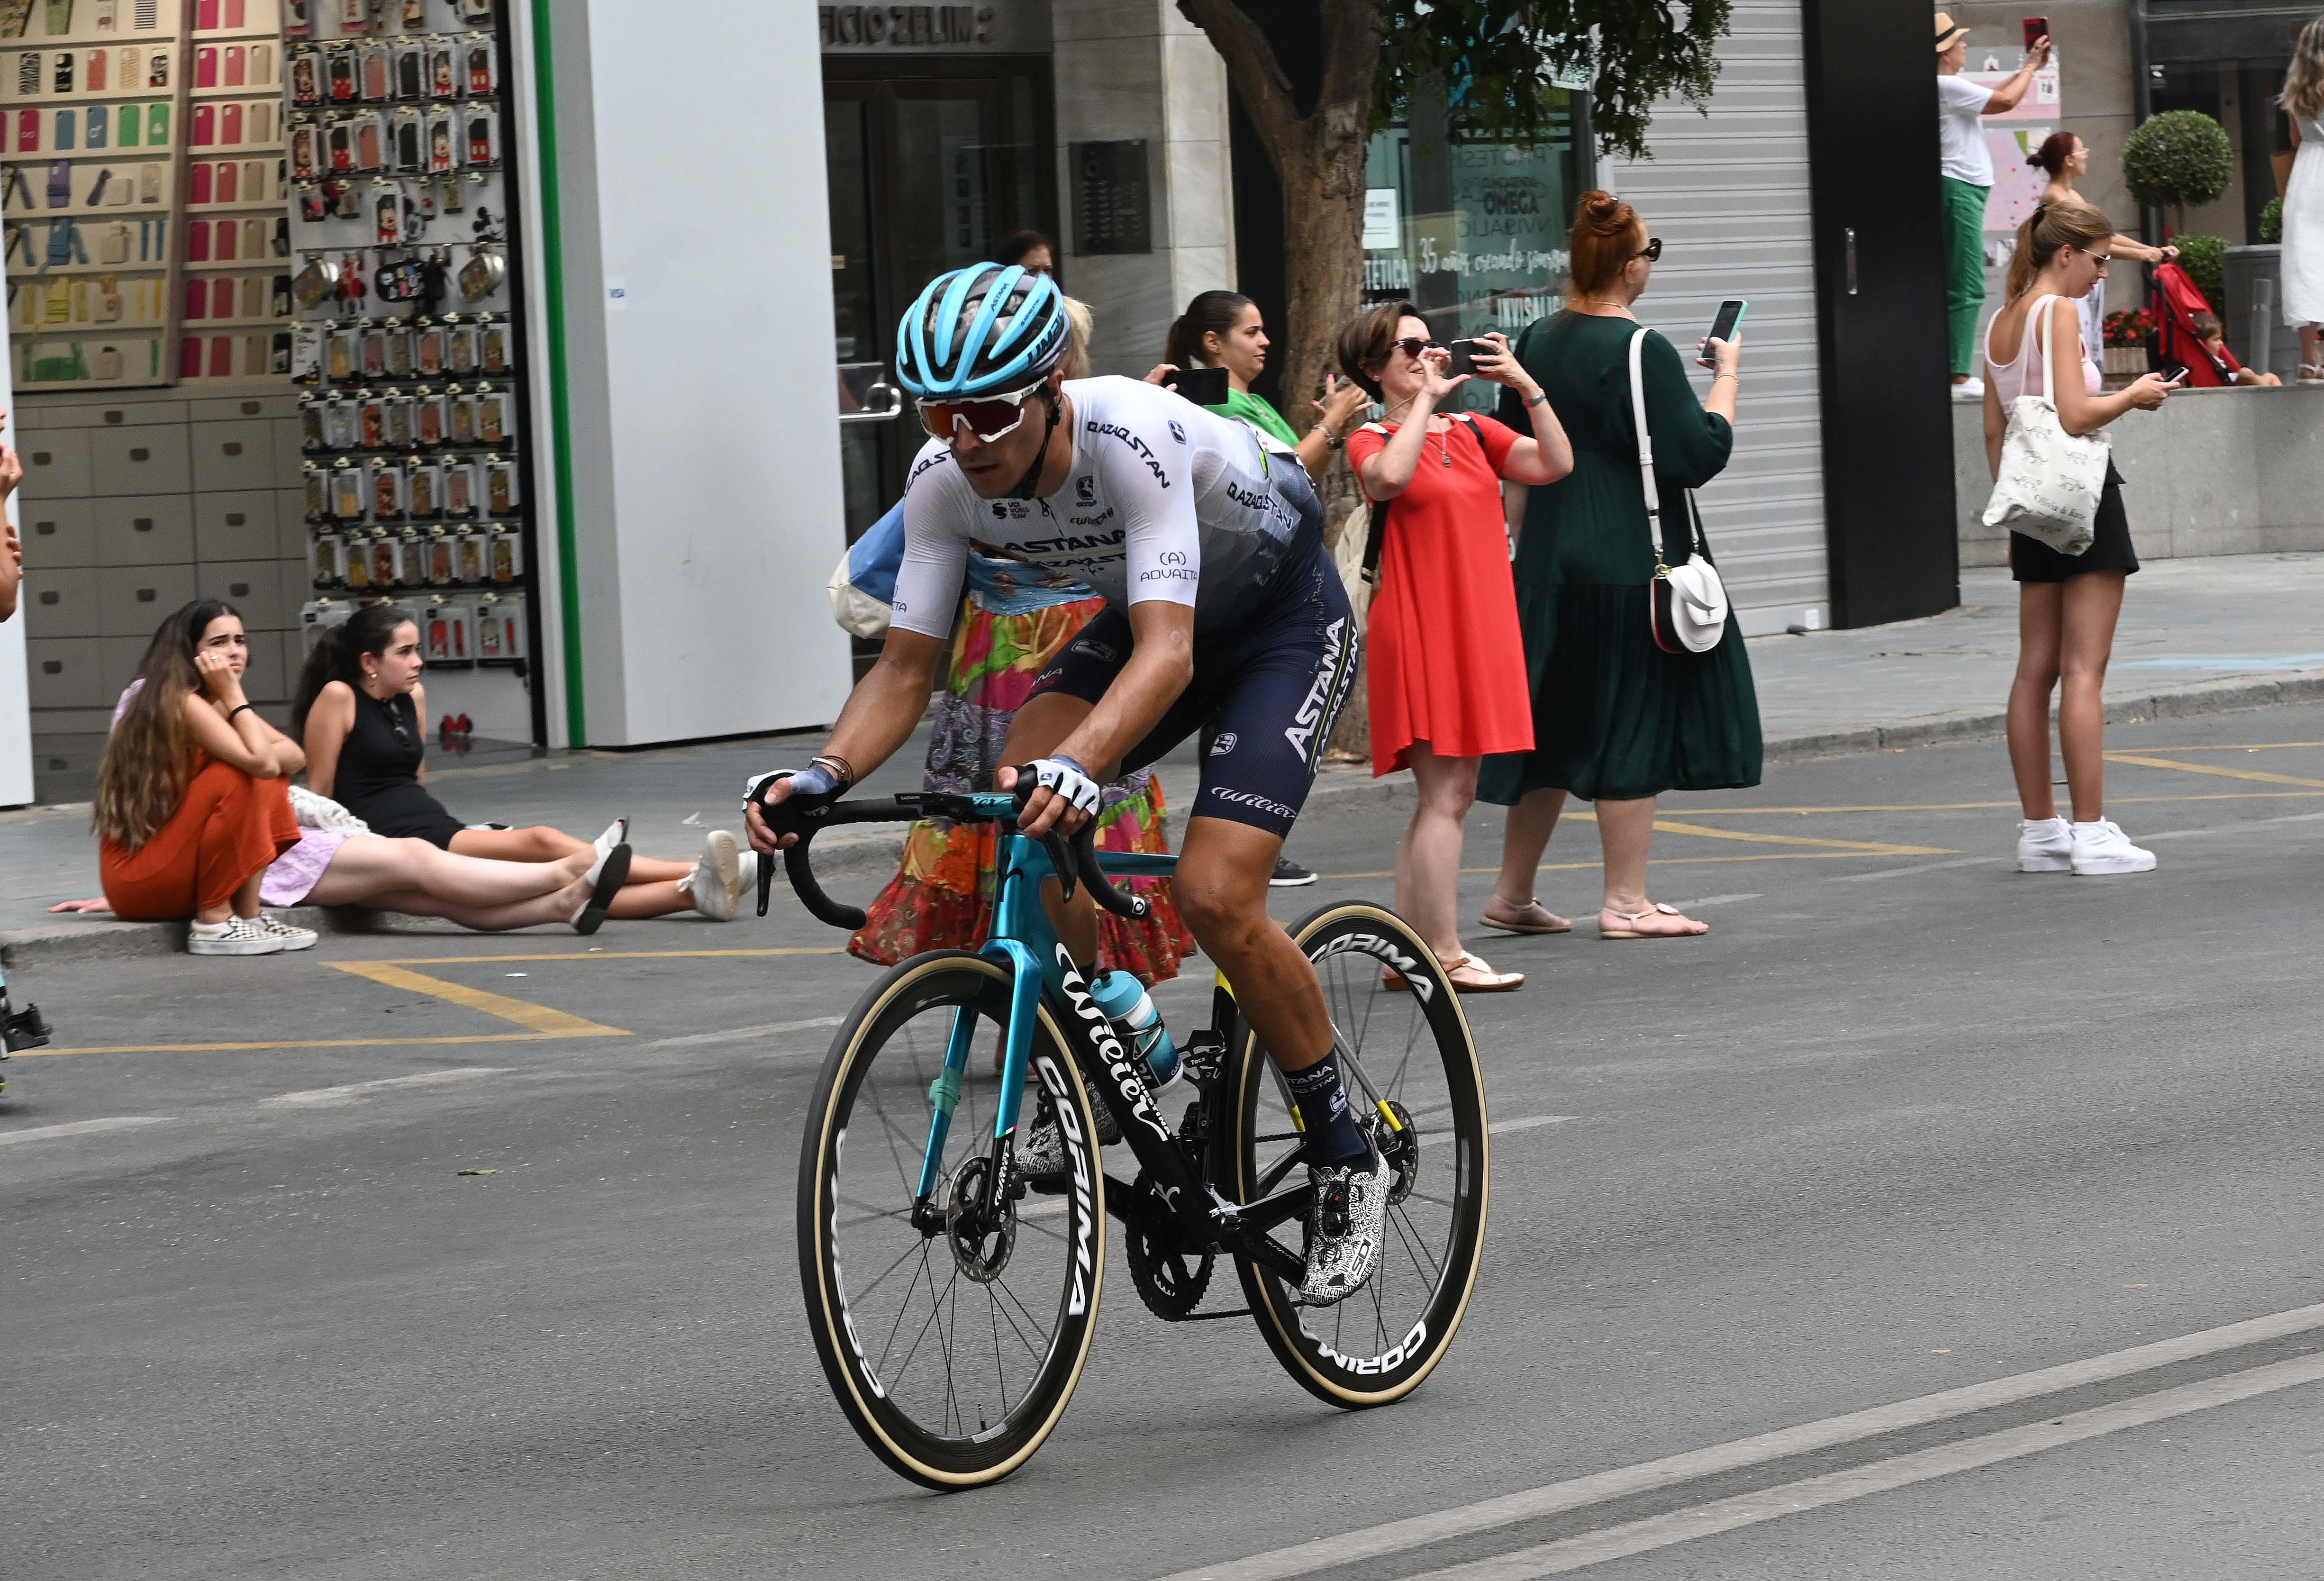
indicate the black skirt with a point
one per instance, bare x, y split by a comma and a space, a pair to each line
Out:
2032, 560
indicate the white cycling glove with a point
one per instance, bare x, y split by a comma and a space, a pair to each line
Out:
1067, 779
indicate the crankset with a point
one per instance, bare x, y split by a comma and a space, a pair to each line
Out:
1169, 1279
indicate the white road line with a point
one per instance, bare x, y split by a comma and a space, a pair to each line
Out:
1715, 900
1392, 1537
355, 1092
1815, 1493
1923, 867
2232, 829
85, 1127
744, 1034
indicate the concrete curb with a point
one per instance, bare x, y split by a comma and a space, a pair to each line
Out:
872, 855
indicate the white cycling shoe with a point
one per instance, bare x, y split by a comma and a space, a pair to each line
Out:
1345, 1227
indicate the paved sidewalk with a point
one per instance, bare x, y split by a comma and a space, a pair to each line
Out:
2196, 637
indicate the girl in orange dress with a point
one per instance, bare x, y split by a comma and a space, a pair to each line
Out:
1445, 655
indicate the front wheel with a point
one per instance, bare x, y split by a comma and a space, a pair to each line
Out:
952, 1343
1410, 1053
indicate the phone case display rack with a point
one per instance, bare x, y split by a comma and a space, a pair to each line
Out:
93, 111
405, 338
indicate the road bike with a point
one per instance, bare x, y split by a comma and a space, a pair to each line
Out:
953, 1298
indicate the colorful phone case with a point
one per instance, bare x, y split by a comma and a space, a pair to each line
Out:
157, 125
229, 130
377, 61
205, 67
224, 240
260, 126
236, 14
99, 119
221, 357
68, 125
483, 71
206, 16
343, 154
96, 71
28, 132
234, 66
229, 182
198, 184
205, 126
189, 357
342, 66
484, 139
198, 298
157, 70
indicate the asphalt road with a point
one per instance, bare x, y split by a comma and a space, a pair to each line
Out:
1905, 1122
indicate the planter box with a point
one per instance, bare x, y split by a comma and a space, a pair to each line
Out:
2253, 271
2129, 360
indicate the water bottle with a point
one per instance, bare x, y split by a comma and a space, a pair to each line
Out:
1127, 1005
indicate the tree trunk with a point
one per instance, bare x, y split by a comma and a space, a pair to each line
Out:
1319, 163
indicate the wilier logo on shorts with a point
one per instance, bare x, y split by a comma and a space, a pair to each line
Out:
1224, 744
1086, 491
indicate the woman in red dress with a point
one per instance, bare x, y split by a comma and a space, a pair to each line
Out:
1446, 656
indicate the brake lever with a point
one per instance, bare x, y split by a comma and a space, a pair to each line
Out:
766, 859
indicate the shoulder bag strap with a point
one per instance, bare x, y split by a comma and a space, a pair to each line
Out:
1375, 512
1646, 457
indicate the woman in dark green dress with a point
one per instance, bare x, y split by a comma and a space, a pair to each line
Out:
1615, 720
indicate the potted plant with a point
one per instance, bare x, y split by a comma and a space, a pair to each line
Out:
2126, 334
2178, 158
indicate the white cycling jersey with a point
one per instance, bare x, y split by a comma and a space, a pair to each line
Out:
1164, 501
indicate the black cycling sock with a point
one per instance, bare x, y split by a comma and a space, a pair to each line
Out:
1332, 1137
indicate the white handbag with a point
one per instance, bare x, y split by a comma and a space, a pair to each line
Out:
1688, 610
2051, 480
859, 614
313, 810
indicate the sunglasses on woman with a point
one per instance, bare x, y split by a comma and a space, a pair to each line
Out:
1412, 345
991, 418
1652, 252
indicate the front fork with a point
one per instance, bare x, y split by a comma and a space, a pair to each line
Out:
944, 1093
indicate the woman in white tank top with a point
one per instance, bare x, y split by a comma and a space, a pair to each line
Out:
2066, 604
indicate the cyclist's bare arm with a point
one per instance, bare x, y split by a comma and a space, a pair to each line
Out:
1161, 663
880, 715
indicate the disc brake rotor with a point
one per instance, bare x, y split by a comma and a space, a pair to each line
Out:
981, 1250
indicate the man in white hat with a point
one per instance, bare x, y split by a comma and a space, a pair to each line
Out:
1967, 179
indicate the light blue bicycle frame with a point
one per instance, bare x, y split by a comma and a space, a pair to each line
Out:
1023, 941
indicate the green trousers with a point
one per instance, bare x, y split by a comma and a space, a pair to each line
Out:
1964, 268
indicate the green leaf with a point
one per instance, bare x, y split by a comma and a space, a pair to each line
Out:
2179, 157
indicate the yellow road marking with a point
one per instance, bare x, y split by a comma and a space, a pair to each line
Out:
597, 955
321, 1044
1972, 806
538, 1018
2153, 762
1870, 848
2248, 746
1668, 862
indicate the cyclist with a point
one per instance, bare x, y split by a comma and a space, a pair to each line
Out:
1225, 615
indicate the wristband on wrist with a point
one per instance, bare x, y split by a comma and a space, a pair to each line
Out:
230, 713
841, 769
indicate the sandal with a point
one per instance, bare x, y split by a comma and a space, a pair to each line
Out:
1613, 924
2311, 373
1533, 917
1481, 978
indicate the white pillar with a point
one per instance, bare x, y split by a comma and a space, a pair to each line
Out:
702, 432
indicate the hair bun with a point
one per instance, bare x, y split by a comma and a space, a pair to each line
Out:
1603, 213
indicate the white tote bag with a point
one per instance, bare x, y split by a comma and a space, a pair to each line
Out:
2051, 480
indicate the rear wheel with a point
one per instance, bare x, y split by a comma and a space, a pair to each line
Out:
951, 1341
1412, 1051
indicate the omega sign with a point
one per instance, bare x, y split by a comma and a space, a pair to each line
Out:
908, 27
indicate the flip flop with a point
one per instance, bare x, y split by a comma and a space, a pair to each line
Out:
1486, 981
1626, 924
1524, 920
612, 872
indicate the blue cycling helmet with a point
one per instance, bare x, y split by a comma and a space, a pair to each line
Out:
980, 331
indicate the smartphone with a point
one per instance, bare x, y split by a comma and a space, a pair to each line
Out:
2037, 28
1723, 325
1464, 358
2178, 375
1202, 386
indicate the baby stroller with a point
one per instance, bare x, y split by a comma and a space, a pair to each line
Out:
2177, 300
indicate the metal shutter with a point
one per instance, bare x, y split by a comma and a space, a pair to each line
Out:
1728, 192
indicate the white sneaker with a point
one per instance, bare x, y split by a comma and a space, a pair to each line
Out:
2102, 847
2045, 844
236, 935
291, 938
746, 876
711, 884
1969, 390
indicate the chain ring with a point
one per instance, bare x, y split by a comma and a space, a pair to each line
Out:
1170, 1281
969, 1254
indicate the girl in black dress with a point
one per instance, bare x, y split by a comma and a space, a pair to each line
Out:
363, 716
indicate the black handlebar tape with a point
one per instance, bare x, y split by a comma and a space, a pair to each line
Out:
1122, 904
810, 893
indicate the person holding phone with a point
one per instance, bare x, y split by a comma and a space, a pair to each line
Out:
2067, 604
1615, 720
1968, 181
1445, 654
1223, 329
